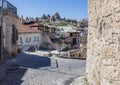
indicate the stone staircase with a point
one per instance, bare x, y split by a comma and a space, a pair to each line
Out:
25, 48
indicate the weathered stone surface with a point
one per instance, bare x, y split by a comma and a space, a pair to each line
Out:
103, 54
9, 20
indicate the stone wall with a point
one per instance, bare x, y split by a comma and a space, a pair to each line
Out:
103, 61
8, 21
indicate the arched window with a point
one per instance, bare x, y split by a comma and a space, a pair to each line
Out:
14, 35
38, 38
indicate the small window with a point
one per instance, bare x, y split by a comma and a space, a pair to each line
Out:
34, 38
66, 55
20, 39
13, 35
73, 55
79, 55
26, 39
38, 38
29, 39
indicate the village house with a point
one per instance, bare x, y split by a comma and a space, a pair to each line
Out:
10, 31
34, 36
29, 37
73, 42
72, 35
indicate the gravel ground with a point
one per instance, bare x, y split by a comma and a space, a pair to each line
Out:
37, 70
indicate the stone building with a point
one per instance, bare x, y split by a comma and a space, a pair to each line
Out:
103, 55
29, 37
10, 31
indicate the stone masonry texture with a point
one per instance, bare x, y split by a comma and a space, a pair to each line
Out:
8, 21
103, 54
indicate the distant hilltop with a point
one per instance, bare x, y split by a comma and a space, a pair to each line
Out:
56, 20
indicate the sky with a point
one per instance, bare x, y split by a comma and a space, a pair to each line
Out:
73, 9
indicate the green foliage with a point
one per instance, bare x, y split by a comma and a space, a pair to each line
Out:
86, 81
44, 22
62, 24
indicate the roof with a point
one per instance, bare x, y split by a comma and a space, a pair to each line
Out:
68, 29
37, 25
33, 24
26, 29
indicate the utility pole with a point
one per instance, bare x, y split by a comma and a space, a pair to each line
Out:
60, 42
1, 33
60, 46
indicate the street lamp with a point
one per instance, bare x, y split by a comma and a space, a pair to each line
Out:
1, 33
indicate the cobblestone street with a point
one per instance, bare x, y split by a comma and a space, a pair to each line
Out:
36, 70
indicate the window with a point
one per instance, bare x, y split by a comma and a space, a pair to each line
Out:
73, 55
38, 38
29, 39
20, 39
79, 55
13, 35
17, 35
26, 39
34, 38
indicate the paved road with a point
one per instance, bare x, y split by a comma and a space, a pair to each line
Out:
37, 70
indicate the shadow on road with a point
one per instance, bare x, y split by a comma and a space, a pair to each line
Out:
32, 61
18, 67
13, 77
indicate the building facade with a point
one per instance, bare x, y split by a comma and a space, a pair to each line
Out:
29, 37
10, 31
